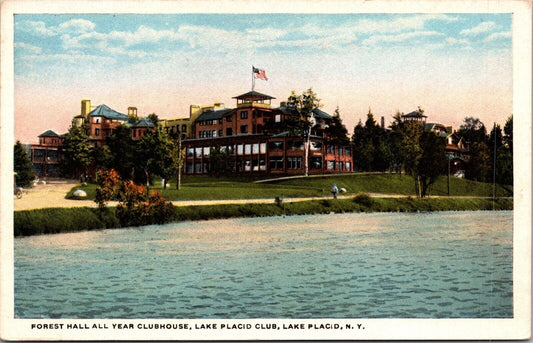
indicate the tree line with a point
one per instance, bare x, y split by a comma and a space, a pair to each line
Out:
157, 153
406, 146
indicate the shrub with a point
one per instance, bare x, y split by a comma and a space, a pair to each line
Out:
108, 182
363, 199
154, 210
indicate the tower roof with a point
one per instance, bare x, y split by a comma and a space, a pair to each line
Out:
49, 133
253, 96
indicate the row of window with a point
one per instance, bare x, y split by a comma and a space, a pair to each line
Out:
275, 163
261, 148
175, 128
293, 145
240, 149
229, 131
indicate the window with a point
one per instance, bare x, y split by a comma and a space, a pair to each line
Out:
331, 149
316, 162
276, 162
263, 148
255, 148
294, 162
316, 145
190, 152
240, 149
348, 166
298, 145
339, 150
275, 145
183, 128
348, 151
331, 165
220, 133
198, 152
229, 119
277, 118
244, 115
206, 151
247, 149
229, 131
97, 132
244, 128
340, 166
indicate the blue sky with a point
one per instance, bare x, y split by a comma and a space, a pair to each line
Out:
453, 65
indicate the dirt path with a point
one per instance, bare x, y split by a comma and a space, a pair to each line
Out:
52, 194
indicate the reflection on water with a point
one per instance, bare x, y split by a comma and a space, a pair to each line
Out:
383, 265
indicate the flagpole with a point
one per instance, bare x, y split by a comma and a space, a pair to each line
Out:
253, 79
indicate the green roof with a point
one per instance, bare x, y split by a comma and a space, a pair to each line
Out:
213, 115
318, 113
49, 133
143, 122
106, 112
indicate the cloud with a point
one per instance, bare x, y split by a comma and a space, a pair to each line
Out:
72, 59
402, 37
498, 36
28, 48
484, 27
455, 41
76, 26
37, 28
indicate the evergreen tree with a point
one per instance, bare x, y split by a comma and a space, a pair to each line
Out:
508, 130
22, 166
336, 132
394, 140
360, 152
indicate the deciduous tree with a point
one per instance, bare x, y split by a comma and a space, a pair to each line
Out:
76, 152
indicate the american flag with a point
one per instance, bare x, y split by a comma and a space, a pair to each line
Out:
259, 74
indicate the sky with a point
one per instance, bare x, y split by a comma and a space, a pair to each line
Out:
452, 65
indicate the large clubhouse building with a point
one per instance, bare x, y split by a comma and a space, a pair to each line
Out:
253, 134
254, 137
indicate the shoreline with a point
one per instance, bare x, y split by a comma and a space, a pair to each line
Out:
73, 219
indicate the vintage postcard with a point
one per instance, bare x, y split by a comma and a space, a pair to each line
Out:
265, 170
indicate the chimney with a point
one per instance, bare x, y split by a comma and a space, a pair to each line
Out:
85, 107
132, 111
382, 122
283, 104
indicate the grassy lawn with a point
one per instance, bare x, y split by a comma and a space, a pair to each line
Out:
211, 188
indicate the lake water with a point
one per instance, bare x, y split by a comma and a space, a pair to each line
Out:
381, 265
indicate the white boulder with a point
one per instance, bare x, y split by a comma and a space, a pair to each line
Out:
79, 193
